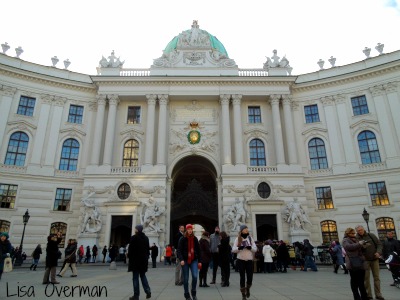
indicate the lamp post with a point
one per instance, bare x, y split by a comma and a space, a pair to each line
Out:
365, 215
18, 259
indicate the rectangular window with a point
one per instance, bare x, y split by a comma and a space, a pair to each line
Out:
254, 114
360, 106
378, 193
324, 197
63, 199
133, 115
311, 113
75, 114
26, 106
8, 193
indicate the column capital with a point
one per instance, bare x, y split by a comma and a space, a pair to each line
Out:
274, 99
328, 100
151, 99
7, 90
113, 99
224, 99
287, 99
101, 99
377, 90
163, 99
391, 87
236, 99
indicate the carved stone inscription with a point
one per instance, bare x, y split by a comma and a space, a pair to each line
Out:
185, 115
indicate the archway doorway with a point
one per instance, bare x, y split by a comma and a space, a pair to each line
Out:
194, 197
267, 228
121, 230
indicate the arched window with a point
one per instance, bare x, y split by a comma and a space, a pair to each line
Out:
69, 155
4, 226
316, 150
59, 227
384, 225
124, 191
131, 154
329, 231
368, 148
17, 148
257, 153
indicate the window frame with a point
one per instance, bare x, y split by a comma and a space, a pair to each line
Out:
254, 118
5, 225
332, 234
312, 116
359, 108
375, 195
16, 154
26, 109
59, 226
64, 202
259, 160
318, 158
12, 197
323, 203
70, 161
75, 117
366, 156
131, 158
134, 115
383, 232
125, 193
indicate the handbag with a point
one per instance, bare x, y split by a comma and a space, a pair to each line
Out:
356, 263
8, 267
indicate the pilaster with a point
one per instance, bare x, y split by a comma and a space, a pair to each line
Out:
110, 131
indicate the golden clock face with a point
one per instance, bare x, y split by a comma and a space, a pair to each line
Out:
194, 137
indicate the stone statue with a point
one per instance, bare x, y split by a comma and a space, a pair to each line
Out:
296, 216
112, 62
92, 216
235, 216
150, 216
274, 62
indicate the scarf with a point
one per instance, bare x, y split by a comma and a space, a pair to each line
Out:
190, 248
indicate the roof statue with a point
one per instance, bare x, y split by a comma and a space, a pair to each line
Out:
112, 62
275, 63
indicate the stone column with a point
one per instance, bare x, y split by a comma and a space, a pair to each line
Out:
40, 136
151, 103
226, 132
290, 139
162, 129
6, 95
98, 130
276, 120
393, 96
237, 128
110, 131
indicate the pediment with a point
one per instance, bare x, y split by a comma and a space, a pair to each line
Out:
314, 129
73, 132
21, 125
363, 122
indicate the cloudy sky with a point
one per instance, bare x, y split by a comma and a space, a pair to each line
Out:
305, 31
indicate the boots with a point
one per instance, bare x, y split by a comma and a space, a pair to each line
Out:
34, 267
194, 296
205, 281
243, 291
248, 290
201, 281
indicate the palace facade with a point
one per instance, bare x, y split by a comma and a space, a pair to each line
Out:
207, 142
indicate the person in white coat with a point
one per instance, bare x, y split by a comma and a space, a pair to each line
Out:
269, 254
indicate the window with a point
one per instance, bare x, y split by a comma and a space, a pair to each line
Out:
124, 191
26, 106
17, 148
254, 114
316, 150
329, 231
378, 193
69, 155
75, 114
384, 225
324, 197
4, 226
311, 113
63, 199
264, 190
133, 115
368, 148
8, 193
59, 227
131, 154
360, 106
257, 153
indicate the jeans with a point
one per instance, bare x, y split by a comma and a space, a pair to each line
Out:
194, 269
309, 263
143, 279
215, 261
245, 268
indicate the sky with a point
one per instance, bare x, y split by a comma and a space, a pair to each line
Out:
304, 31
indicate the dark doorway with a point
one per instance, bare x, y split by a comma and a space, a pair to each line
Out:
266, 227
121, 230
194, 197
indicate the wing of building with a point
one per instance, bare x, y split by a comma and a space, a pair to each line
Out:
196, 139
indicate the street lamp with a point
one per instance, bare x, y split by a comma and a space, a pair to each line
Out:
25, 219
365, 215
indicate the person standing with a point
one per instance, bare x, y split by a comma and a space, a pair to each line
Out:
205, 255
35, 257
354, 250
94, 253
5, 250
245, 248
372, 252
138, 255
178, 268
88, 255
389, 245
215, 240
70, 259
81, 252
308, 256
189, 256
225, 250
268, 253
337, 252
282, 256
104, 252
52, 258
168, 254
154, 254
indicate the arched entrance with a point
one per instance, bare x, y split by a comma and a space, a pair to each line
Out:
194, 197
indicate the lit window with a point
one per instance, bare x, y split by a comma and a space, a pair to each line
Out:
316, 150
368, 148
17, 148
69, 155
26, 106
384, 225
360, 106
311, 113
124, 191
59, 227
378, 193
8, 193
133, 115
324, 197
329, 231
75, 114
131, 154
257, 153
63, 199
4, 226
254, 114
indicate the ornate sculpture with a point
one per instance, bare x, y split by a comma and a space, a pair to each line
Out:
150, 216
274, 62
296, 216
235, 216
92, 216
113, 61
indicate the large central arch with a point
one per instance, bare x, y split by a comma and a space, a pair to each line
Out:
194, 194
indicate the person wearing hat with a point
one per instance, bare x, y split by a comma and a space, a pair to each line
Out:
189, 255
245, 248
138, 255
5, 250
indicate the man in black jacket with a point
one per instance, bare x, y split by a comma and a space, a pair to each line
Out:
178, 268
154, 254
138, 254
389, 245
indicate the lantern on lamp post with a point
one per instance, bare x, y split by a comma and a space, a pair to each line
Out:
365, 215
